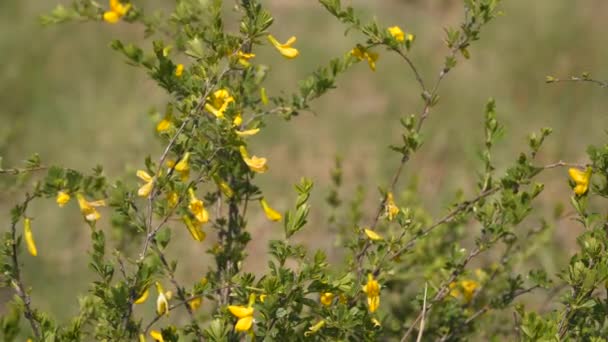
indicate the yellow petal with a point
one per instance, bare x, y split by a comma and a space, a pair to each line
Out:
29, 237
194, 229
263, 297
313, 329
183, 165
195, 303
256, 164
163, 125
197, 208
111, 17
145, 189
179, 70
372, 235
244, 324
397, 33
238, 120
62, 198
374, 303
162, 302
248, 132
581, 178
142, 298
157, 336
271, 214
225, 188
285, 49
143, 175
326, 298
172, 199
240, 311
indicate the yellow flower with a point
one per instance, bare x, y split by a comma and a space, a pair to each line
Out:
248, 132
326, 298
157, 336
391, 208
162, 301
362, 54
88, 208
263, 297
256, 164
145, 189
238, 120
142, 338
62, 198
218, 103
194, 228
581, 178
195, 303
372, 235
163, 125
29, 237
182, 174
183, 165
142, 299
117, 11
372, 290
271, 214
465, 289
409, 37
244, 58
197, 208
172, 199
313, 329
285, 49
397, 33
244, 315
263, 96
179, 70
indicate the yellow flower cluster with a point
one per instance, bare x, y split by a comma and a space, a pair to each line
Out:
464, 289
218, 103
397, 33
117, 11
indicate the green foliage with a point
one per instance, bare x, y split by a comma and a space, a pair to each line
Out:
401, 274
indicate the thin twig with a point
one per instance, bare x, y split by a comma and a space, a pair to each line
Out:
16, 171
421, 329
17, 282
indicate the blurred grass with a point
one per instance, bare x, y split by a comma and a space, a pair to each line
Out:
67, 96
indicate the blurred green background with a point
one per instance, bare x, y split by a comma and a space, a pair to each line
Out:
67, 96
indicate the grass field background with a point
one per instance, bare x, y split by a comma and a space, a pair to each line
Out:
67, 96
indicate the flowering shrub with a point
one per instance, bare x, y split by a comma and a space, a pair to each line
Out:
405, 275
